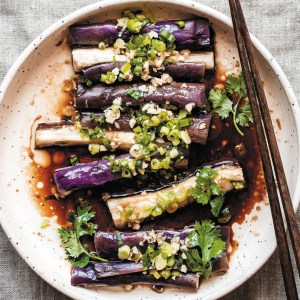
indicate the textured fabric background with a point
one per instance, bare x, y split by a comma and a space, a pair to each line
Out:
274, 22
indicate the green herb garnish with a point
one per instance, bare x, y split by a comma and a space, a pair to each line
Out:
204, 245
207, 191
223, 105
77, 253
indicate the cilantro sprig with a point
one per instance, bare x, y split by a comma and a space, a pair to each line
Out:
207, 191
77, 253
204, 244
223, 105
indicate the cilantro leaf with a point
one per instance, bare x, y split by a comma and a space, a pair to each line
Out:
206, 189
82, 224
80, 261
244, 115
221, 104
204, 244
216, 205
236, 85
70, 242
201, 197
76, 252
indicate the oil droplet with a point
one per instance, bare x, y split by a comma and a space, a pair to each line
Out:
40, 185
42, 158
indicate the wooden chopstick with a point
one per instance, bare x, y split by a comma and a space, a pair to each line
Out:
282, 182
269, 152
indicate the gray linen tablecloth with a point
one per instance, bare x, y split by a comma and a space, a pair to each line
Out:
274, 22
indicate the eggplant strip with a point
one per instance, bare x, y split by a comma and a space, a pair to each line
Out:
198, 132
65, 134
102, 96
87, 57
84, 176
182, 71
120, 133
194, 35
87, 276
107, 243
95, 173
143, 206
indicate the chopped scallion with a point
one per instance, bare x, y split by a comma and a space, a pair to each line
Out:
181, 24
167, 35
135, 25
132, 92
159, 45
125, 68
74, 160
101, 45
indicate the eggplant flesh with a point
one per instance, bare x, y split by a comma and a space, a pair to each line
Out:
194, 35
65, 134
101, 96
198, 132
144, 206
87, 57
107, 243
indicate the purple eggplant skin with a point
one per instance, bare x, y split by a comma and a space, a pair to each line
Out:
195, 34
181, 72
95, 173
86, 121
107, 243
92, 34
198, 131
101, 96
115, 268
84, 175
88, 276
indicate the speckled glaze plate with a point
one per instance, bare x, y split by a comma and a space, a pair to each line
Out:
33, 87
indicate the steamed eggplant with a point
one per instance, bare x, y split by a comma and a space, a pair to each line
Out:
117, 272
182, 71
88, 276
198, 131
84, 175
107, 243
120, 133
194, 35
176, 93
94, 62
95, 173
65, 134
87, 57
133, 210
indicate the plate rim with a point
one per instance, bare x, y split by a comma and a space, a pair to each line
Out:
188, 4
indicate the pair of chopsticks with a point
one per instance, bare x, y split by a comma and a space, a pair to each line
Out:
271, 160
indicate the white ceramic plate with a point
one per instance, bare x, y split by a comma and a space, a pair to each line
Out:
33, 87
